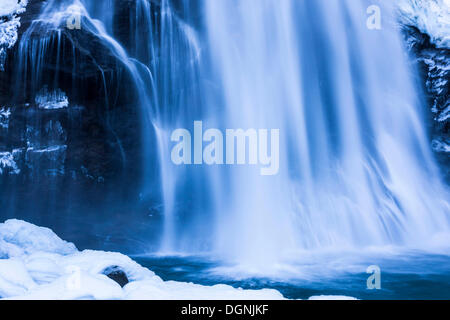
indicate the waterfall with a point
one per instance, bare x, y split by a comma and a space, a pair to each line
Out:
356, 169
355, 166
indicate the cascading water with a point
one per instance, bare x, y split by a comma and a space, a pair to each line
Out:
355, 167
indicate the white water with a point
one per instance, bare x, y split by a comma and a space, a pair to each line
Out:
355, 167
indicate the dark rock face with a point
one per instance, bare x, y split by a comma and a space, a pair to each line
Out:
100, 119
434, 65
70, 135
70, 126
116, 274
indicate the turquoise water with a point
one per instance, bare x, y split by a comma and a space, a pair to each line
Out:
413, 275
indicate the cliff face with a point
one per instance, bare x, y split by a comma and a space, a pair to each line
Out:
62, 99
426, 25
70, 136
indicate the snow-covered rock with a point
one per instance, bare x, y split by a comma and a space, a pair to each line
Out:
36, 264
332, 298
51, 100
7, 163
441, 145
5, 113
9, 24
426, 26
431, 17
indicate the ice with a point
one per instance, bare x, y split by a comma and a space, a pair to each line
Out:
36, 264
27, 238
48, 100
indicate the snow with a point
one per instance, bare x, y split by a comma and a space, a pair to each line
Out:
5, 113
9, 24
440, 145
10, 7
172, 290
429, 16
49, 100
11, 162
92, 286
8, 32
36, 264
444, 115
30, 238
51, 149
14, 278
331, 298
437, 83
7, 162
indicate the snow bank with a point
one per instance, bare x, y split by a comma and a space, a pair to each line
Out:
36, 264
429, 16
10, 7
23, 238
5, 113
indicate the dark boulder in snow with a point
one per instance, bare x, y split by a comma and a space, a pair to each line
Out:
116, 274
